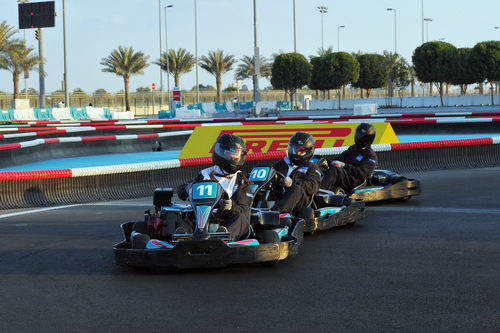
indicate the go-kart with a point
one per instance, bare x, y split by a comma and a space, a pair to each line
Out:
381, 186
326, 209
154, 243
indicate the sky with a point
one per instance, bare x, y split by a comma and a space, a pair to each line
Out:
97, 27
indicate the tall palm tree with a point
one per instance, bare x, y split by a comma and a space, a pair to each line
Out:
6, 33
17, 58
179, 62
217, 63
125, 62
246, 68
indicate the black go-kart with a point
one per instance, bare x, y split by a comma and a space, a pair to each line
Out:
383, 185
326, 209
154, 243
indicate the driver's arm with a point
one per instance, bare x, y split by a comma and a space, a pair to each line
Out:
312, 180
242, 200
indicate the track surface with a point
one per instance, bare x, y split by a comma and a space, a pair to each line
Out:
426, 265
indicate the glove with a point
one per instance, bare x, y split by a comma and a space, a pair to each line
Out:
226, 204
287, 182
338, 163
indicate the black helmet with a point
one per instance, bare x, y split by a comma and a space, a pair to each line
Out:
364, 135
229, 153
301, 148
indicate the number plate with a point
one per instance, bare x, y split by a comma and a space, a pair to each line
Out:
204, 190
259, 174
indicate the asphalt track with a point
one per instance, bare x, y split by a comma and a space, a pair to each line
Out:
427, 265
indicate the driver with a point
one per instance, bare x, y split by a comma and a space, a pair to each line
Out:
303, 177
228, 155
354, 165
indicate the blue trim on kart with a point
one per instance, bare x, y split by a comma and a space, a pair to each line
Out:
158, 244
328, 211
202, 216
177, 208
246, 242
369, 189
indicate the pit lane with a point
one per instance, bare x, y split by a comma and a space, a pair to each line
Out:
429, 264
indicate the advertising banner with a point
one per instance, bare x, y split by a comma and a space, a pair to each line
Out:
267, 138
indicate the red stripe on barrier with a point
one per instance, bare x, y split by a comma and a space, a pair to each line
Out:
411, 121
266, 156
52, 140
10, 146
51, 132
148, 136
43, 174
195, 161
441, 143
99, 138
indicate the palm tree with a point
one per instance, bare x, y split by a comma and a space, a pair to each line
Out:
125, 62
179, 62
6, 32
246, 69
217, 64
17, 58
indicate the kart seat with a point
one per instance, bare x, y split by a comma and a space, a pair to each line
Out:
325, 198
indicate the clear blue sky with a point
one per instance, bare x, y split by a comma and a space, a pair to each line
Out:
96, 27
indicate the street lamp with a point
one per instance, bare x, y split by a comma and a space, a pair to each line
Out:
395, 39
161, 71
422, 21
256, 61
294, 30
322, 10
196, 53
166, 46
338, 36
427, 20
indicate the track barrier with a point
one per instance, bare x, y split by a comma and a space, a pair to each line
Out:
79, 185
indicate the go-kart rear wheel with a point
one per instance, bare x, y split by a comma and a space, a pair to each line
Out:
270, 237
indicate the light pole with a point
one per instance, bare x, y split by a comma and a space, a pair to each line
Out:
422, 21
295, 47
338, 36
25, 79
294, 30
322, 10
161, 71
256, 61
166, 47
427, 20
66, 93
395, 37
196, 53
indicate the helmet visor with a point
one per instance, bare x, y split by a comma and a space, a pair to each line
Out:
230, 153
298, 150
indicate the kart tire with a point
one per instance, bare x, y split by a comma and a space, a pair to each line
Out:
270, 237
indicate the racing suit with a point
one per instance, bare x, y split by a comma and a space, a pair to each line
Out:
359, 166
305, 183
236, 219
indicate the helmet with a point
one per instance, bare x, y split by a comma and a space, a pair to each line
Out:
301, 148
364, 135
229, 153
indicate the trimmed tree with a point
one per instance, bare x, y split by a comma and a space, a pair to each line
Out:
486, 58
341, 69
465, 72
435, 62
125, 62
372, 72
290, 71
